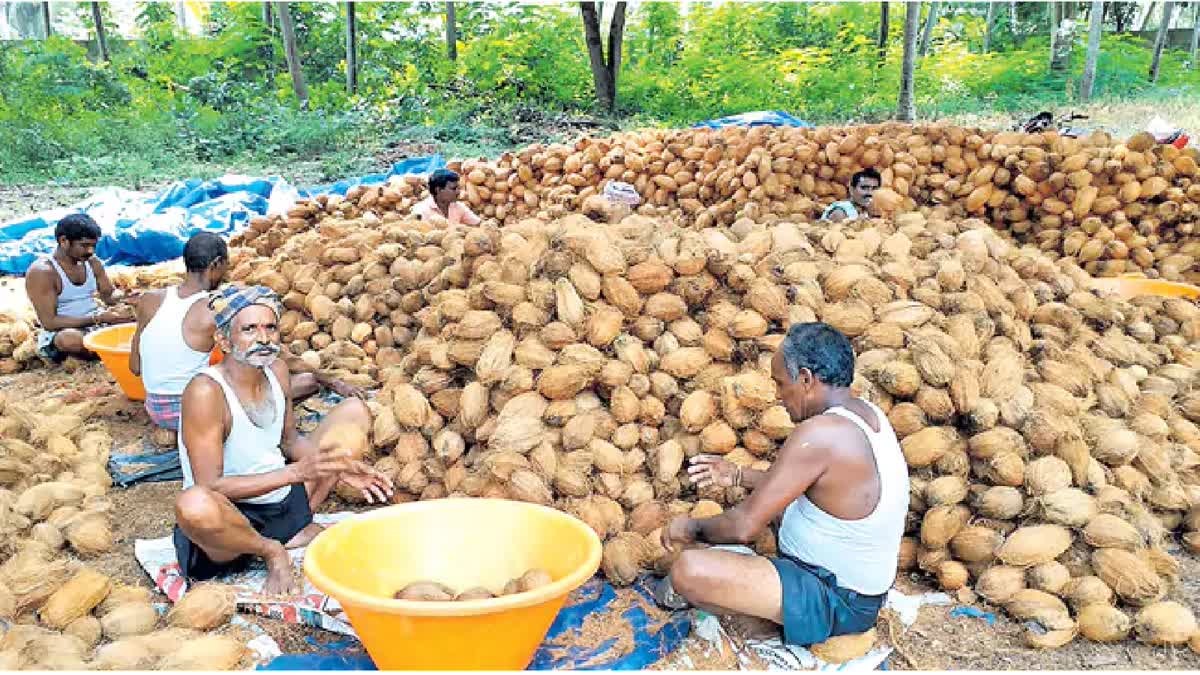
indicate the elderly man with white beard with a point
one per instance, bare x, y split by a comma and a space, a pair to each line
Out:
251, 480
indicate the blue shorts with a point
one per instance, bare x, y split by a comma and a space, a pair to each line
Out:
815, 608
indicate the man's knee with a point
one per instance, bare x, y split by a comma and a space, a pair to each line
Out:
355, 410
691, 574
69, 341
198, 508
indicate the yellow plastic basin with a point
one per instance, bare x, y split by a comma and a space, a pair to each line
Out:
463, 543
111, 344
1132, 287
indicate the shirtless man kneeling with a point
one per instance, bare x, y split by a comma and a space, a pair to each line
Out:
251, 480
840, 486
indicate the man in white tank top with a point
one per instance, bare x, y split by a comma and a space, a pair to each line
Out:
862, 194
179, 332
838, 486
62, 289
251, 480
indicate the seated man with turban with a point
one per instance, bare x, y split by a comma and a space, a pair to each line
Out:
251, 480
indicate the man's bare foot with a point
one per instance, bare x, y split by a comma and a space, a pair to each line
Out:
750, 627
305, 536
163, 438
279, 574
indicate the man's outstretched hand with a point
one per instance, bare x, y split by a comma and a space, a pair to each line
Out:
347, 390
374, 485
712, 471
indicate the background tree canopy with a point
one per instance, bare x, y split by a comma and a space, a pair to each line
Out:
170, 97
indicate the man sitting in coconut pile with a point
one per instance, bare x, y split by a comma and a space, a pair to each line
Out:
63, 287
251, 480
442, 204
176, 333
840, 487
862, 193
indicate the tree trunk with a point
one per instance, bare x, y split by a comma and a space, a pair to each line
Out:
451, 33
616, 37
268, 18
927, 35
1055, 18
1012, 17
991, 26
49, 25
1195, 36
351, 50
604, 71
1145, 18
288, 28
906, 111
1095, 29
181, 15
101, 43
1160, 42
883, 30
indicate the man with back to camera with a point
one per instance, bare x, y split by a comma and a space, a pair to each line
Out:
62, 288
862, 192
443, 203
840, 485
251, 480
176, 332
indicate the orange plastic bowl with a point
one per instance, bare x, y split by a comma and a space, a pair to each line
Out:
463, 543
1132, 287
111, 344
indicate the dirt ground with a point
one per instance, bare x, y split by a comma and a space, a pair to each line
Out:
938, 641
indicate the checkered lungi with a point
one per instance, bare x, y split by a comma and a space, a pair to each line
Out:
164, 409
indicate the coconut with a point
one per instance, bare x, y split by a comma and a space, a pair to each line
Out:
1034, 545
1038, 638
1000, 583
1109, 531
941, 523
1046, 475
1130, 577
126, 654
927, 446
844, 648
1000, 503
976, 544
207, 652
1046, 609
952, 575
1049, 577
129, 620
123, 594
204, 607
1087, 590
946, 490
1104, 623
1164, 623
623, 558
1070, 507
76, 598
86, 628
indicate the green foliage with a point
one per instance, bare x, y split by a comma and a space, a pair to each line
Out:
171, 102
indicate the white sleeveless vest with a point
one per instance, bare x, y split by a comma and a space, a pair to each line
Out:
861, 553
168, 363
249, 449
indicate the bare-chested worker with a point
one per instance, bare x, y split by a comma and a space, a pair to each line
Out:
251, 480
63, 287
839, 482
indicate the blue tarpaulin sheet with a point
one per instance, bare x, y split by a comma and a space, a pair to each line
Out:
651, 642
141, 230
761, 118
